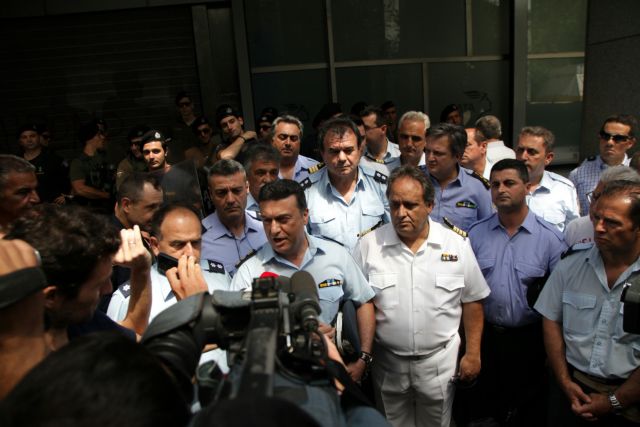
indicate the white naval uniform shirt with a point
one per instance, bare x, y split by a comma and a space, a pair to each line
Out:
555, 200
419, 296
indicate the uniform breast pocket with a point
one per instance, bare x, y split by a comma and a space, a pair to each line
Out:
324, 225
372, 212
385, 286
448, 290
486, 265
578, 312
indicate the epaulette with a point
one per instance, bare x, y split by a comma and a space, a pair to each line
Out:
125, 289
559, 178
380, 177
578, 247
369, 230
482, 179
315, 168
591, 158
328, 238
306, 183
255, 214
453, 228
246, 257
373, 159
215, 266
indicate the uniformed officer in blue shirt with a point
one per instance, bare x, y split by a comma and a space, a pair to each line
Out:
262, 165
286, 138
462, 196
345, 199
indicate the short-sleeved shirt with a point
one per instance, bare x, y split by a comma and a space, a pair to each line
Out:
463, 201
221, 244
419, 296
387, 163
580, 230
332, 217
301, 168
93, 170
162, 295
555, 200
578, 297
496, 151
335, 272
511, 264
586, 176
52, 174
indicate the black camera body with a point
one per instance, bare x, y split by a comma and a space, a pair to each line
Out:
631, 300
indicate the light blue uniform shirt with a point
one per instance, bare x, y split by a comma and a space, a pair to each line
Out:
301, 168
332, 217
510, 264
586, 176
577, 296
463, 201
219, 243
554, 200
334, 270
387, 164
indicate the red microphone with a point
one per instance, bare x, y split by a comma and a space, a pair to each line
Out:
268, 274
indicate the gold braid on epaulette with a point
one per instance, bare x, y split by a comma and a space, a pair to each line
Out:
482, 179
315, 168
453, 228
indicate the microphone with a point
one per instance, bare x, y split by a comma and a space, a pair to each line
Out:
306, 305
283, 282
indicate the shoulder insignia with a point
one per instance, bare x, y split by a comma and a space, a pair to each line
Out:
448, 257
482, 179
306, 183
591, 158
125, 290
328, 238
446, 221
215, 266
246, 257
578, 247
373, 159
380, 177
316, 168
369, 230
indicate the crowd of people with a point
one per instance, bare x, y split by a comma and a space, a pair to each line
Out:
485, 290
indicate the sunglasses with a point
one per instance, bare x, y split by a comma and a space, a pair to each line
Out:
284, 137
265, 127
616, 138
205, 131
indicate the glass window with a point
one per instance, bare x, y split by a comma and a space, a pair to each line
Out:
401, 84
283, 32
555, 80
491, 27
557, 25
480, 88
385, 29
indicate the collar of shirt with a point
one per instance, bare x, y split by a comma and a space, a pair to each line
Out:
218, 229
392, 152
435, 237
312, 250
602, 165
496, 144
326, 183
161, 281
545, 183
594, 259
252, 205
457, 182
529, 224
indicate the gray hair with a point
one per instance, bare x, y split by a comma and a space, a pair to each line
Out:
488, 127
12, 164
415, 116
287, 119
620, 173
226, 167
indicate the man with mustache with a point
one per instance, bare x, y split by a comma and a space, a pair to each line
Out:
231, 233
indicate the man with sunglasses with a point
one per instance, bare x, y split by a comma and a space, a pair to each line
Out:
181, 132
264, 123
616, 136
204, 146
134, 161
287, 137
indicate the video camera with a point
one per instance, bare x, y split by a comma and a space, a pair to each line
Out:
270, 335
631, 300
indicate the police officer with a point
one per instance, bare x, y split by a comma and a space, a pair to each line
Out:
461, 195
616, 136
379, 153
286, 138
344, 198
262, 164
552, 196
284, 216
420, 270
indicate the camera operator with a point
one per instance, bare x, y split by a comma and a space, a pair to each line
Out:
21, 307
78, 249
285, 215
594, 361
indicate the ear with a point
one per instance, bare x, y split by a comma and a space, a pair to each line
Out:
305, 217
126, 203
483, 147
51, 298
548, 157
241, 121
153, 242
383, 128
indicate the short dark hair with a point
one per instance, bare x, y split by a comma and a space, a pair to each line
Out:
161, 214
456, 135
444, 114
71, 241
260, 152
132, 186
625, 189
339, 126
488, 127
517, 165
548, 139
625, 119
372, 109
409, 171
182, 94
281, 189
226, 167
81, 383
152, 136
12, 164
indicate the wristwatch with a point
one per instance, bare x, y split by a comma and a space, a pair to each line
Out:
366, 357
615, 404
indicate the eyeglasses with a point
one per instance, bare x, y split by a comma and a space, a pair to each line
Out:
367, 128
265, 127
205, 131
605, 136
184, 104
592, 196
283, 137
